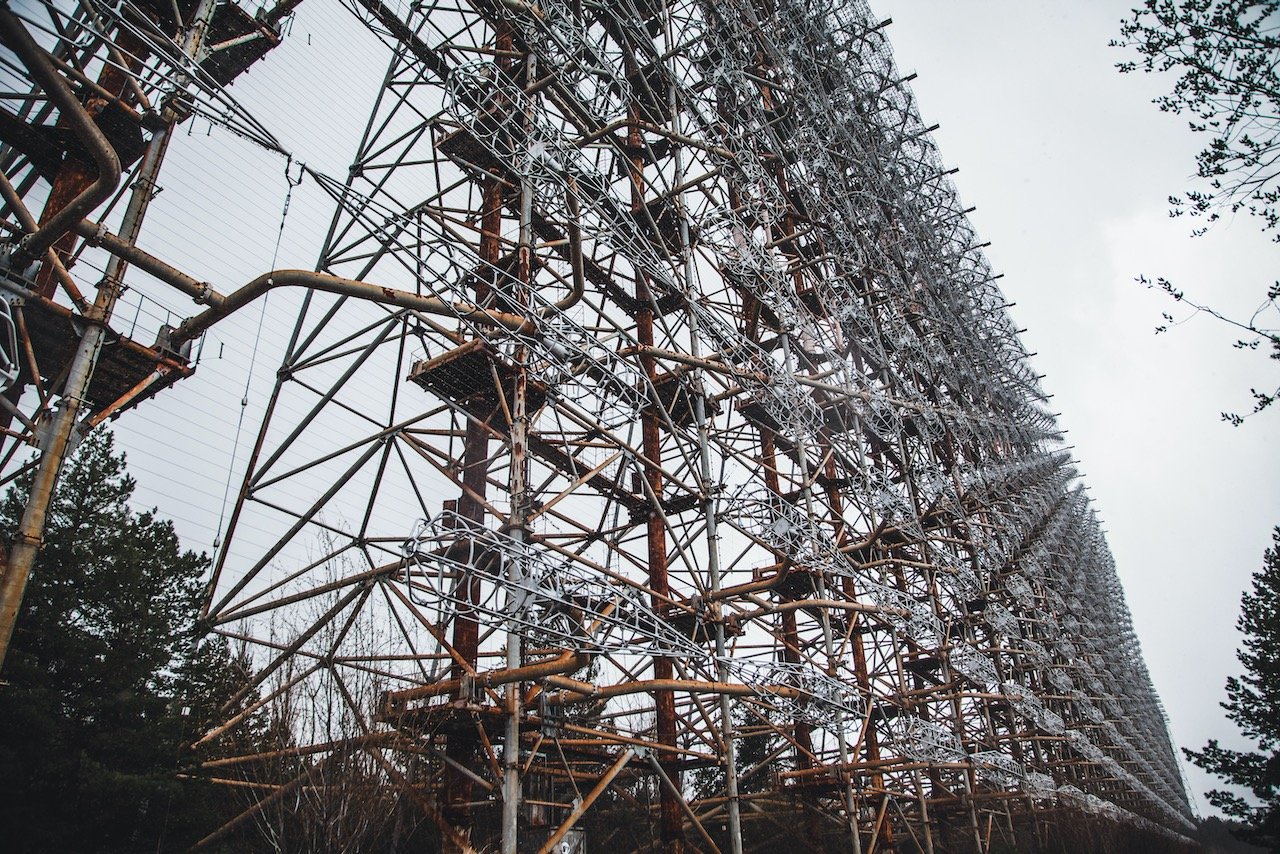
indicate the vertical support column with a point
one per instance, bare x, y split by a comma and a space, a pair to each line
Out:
671, 818
459, 749
926, 828
710, 509
465, 640
828, 642
28, 539
518, 489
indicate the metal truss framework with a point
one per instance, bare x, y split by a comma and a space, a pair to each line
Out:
653, 398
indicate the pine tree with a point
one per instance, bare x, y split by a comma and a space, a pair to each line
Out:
103, 665
1253, 703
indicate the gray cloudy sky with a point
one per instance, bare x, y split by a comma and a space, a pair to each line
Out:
1069, 165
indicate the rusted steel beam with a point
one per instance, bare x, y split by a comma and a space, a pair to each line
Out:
601, 786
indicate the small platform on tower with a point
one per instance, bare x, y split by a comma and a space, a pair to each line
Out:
127, 372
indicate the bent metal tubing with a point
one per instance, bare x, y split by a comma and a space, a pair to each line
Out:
221, 305
33, 245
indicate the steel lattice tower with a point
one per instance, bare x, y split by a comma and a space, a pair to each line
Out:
651, 444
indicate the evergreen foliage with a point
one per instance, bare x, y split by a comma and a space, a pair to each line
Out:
106, 678
1253, 704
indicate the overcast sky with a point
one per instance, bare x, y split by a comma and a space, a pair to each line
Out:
1069, 165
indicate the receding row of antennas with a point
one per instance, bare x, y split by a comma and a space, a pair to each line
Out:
549, 158
569, 359
556, 603
853, 104
543, 156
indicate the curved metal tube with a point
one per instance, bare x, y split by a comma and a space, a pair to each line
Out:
575, 691
575, 254
220, 306
33, 245
567, 662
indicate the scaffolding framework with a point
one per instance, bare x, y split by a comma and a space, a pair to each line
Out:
652, 439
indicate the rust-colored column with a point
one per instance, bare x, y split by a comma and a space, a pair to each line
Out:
78, 172
460, 748
790, 633
671, 819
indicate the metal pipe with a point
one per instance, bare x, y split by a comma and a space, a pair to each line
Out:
28, 539
805, 604
588, 691
193, 327
767, 582
693, 361
567, 662
665, 718
33, 245
276, 14
456, 792
97, 234
221, 304
575, 252
518, 489
710, 510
